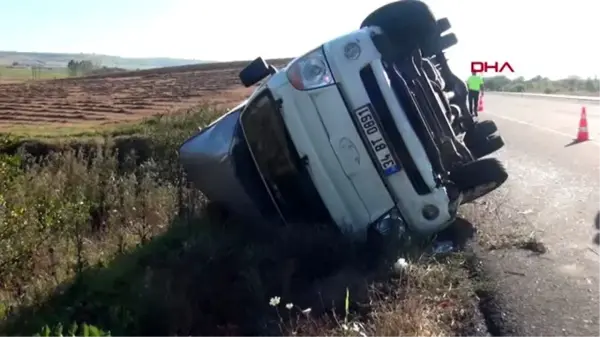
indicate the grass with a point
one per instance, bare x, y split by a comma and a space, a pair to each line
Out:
24, 74
97, 242
58, 132
511, 227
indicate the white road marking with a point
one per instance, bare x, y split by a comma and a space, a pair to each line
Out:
593, 141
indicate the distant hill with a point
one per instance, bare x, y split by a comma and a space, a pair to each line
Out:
60, 60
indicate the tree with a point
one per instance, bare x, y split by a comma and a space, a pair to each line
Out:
592, 85
72, 68
85, 67
82, 67
572, 84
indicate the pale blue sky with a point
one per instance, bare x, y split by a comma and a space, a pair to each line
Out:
552, 38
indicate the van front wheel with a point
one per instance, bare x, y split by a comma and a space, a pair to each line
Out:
478, 178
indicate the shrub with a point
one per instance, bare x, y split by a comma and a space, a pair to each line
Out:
72, 210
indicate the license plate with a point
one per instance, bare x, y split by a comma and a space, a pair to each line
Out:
370, 127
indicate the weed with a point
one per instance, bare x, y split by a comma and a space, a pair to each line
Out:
68, 211
74, 329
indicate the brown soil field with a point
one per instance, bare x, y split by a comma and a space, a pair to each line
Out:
120, 97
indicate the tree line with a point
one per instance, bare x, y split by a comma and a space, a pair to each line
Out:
572, 85
82, 67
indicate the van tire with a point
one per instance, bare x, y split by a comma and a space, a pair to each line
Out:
486, 127
487, 173
483, 139
486, 146
409, 24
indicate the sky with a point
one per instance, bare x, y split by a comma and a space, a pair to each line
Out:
548, 38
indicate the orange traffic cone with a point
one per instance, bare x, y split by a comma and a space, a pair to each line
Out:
480, 105
582, 133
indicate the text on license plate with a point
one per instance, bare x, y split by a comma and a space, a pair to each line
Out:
375, 139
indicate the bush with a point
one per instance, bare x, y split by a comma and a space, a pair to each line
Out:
72, 210
62, 215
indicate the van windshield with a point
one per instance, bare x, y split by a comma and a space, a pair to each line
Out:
284, 174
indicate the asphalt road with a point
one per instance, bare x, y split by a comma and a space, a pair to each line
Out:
552, 194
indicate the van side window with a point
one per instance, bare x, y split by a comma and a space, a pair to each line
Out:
277, 160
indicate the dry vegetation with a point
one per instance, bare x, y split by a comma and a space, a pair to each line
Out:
96, 238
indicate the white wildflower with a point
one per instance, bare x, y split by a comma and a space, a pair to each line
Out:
274, 301
289, 306
306, 311
356, 327
401, 264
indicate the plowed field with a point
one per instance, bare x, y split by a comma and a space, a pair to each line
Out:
119, 97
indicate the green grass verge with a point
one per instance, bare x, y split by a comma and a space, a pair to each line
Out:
24, 74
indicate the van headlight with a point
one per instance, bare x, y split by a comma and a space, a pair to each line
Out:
310, 71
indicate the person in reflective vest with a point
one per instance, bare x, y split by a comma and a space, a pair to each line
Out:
475, 85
